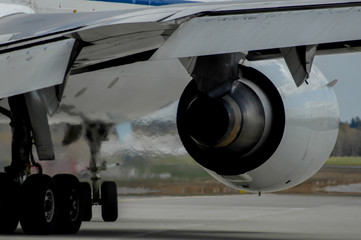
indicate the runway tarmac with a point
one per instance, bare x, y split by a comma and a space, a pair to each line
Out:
271, 216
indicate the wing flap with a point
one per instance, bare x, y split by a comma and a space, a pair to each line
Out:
210, 35
35, 67
120, 40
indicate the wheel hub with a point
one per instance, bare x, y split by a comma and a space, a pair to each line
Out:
49, 205
74, 204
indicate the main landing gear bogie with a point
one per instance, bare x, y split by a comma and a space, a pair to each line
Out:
46, 205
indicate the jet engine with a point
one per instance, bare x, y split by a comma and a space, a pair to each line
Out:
265, 134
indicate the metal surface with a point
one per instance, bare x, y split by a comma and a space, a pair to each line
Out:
74, 202
34, 68
233, 27
253, 118
215, 74
119, 40
307, 138
312, 119
40, 126
246, 32
9, 9
255, 16
49, 205
299, 61
124, 93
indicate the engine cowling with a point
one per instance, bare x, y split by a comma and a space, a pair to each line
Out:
265, 134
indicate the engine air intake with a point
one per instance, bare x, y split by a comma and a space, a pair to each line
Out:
234, 133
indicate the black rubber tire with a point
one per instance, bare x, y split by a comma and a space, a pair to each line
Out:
39, 194
109, 201
70, 204
87, 197
9, 204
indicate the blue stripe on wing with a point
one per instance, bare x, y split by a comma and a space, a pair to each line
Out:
149, 2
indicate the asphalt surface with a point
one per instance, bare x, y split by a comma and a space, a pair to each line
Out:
271, 216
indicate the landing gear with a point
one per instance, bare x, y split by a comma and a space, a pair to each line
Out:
106, 194
9, 203
51, 205
109, 201
46, 205
39, 211
42, 204
87, 197
70, 204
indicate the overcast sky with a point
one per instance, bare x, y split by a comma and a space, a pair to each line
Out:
347, 69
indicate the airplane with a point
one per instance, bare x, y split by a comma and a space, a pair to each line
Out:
253, 111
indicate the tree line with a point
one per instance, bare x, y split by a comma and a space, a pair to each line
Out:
349, 139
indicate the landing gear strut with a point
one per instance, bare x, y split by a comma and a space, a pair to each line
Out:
42, 204
96, 133
15, 174
21, 145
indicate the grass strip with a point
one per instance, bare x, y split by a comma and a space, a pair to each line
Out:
344, 161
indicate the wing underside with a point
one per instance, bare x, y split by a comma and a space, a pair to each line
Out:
259, 29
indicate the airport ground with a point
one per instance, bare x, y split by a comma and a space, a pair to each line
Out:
329, 209
227, 217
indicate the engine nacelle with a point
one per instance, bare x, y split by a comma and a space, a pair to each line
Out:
265, 134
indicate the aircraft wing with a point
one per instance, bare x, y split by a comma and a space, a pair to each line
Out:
49, 46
